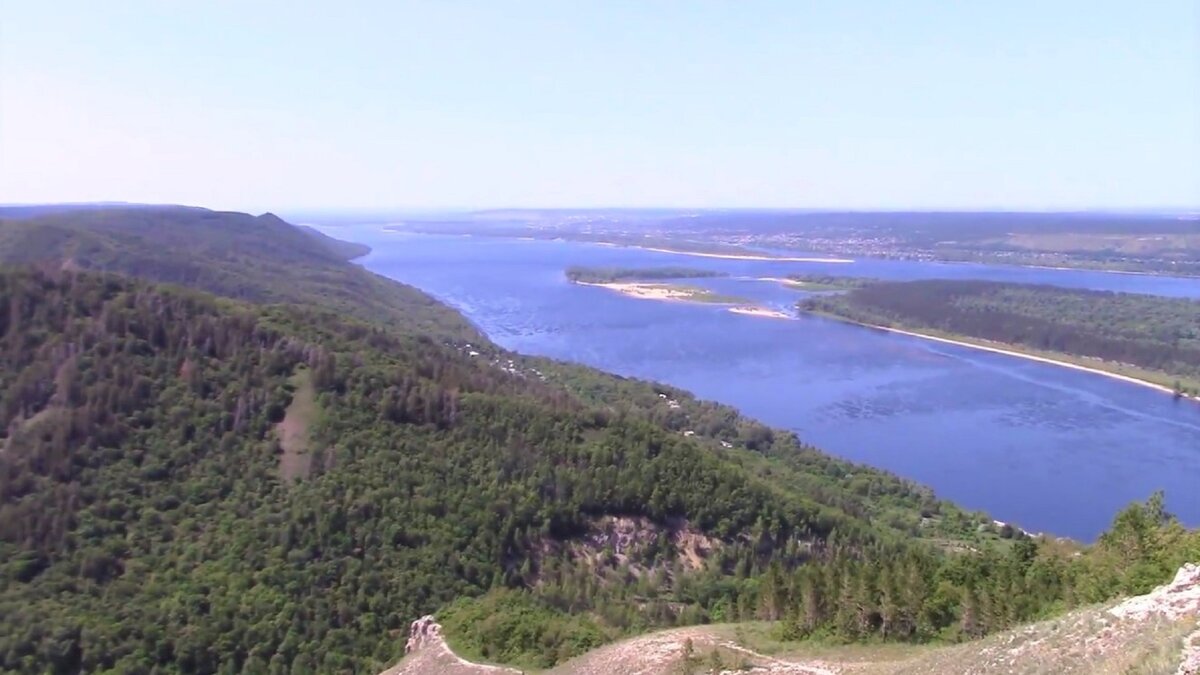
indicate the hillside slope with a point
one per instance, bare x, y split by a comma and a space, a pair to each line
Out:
196, 484
257, 258
144, 520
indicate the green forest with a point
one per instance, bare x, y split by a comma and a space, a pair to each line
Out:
155, 518
1156, 334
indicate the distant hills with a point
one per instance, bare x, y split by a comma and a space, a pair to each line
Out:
256, 258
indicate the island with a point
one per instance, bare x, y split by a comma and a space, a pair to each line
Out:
1148, 340
646, 284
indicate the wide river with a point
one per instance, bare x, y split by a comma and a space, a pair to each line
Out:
1051, 449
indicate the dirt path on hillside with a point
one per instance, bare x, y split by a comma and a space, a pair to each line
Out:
662, 653
1158, 632
666, 653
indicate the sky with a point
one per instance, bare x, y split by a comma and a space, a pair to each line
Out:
259, 105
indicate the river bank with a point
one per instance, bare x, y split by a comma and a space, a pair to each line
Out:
1015, 351
747, 256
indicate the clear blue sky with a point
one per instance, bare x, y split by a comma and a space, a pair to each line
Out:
276, 105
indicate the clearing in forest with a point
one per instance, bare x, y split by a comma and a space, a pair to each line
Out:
293, 429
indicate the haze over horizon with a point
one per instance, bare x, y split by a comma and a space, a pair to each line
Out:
420, 106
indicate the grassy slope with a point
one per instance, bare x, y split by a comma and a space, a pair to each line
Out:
1083, 642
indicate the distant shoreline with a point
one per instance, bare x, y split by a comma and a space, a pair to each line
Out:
739, 256
1165, 274
1014, 351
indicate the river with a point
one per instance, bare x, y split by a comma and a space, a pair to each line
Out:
1051, 449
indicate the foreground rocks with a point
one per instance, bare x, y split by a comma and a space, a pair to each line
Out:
426, 653
1175, 600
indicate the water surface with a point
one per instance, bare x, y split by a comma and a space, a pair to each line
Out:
1049, 448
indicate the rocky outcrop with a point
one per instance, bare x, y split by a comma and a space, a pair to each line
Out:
1178, 599
426, 653
1190, 659
423, 633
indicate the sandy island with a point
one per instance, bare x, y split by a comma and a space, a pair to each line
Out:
646, 291
760, 311
785, 281
653, 291
1030, 357
740, 256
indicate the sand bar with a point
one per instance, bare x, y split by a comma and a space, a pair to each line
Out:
784, 281
647, 291
652, 291
760, 311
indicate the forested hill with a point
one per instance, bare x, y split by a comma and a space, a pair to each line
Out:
1160, 336
346, 250
193, 484
201, 486
150, 514
256, 258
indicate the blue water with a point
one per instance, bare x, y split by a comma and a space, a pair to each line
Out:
1048, 448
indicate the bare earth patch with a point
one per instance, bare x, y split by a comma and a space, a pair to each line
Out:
612, 541
293, 430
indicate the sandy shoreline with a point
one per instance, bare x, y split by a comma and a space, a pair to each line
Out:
644, 290
760, 311
738, 256
1030, 357
663, 292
